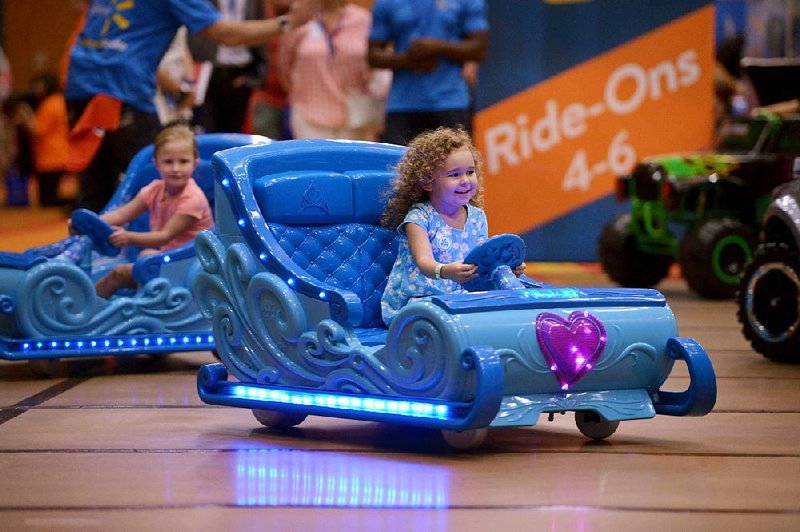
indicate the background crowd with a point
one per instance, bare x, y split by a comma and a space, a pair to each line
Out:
378, 70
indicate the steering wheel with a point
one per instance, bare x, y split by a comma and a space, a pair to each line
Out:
496, 258
90, 224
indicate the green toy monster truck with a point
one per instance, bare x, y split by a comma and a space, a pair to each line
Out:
701, 209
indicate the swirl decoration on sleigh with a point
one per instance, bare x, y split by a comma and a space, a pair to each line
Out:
292, 277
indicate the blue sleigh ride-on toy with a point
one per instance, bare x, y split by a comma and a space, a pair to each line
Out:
49, 308
292, 278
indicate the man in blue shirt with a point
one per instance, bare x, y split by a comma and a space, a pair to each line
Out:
116, 56
426, 43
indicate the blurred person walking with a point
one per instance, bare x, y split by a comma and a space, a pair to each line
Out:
326, 75
235, 72
426, 43
49, 131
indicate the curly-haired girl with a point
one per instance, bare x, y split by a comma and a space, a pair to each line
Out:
436, 202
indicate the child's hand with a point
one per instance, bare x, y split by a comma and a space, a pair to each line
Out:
120, 237
459, 272
519, 270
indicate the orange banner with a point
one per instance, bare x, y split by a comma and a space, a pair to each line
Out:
560, 144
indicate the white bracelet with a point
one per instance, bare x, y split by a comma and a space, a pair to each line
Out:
283, 23
437, 271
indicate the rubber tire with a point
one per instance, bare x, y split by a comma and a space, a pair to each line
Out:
465, 440
594, 426
769, 302
697, 256
623, 262
278, 420
44, 367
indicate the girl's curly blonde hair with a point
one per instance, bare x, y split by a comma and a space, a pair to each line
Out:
425, 155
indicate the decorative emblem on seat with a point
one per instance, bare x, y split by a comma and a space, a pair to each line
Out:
570, 346
312, 198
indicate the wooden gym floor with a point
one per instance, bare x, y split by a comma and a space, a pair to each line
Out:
125, 444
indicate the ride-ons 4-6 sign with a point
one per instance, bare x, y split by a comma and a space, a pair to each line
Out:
555, 147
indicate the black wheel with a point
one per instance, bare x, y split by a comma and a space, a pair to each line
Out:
278, 420
623, 261
594, 426
44, 367
769, 302
465, 440
713, 255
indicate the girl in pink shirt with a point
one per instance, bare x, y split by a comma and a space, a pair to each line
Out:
178, 208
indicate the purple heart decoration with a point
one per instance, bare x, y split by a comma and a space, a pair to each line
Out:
571, 346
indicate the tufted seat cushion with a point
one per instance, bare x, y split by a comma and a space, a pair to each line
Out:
327, 221
356, 257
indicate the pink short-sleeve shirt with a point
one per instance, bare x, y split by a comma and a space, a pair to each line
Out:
191, 202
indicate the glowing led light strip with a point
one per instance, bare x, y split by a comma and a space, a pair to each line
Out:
165, 340
398, 407
550, 293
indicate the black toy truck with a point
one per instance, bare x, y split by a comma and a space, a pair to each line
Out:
769, 289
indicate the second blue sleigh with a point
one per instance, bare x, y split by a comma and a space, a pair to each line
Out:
49, 309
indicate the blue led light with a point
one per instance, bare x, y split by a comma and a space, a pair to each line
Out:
322, 294
399, 407
241, 222
275, 479
550, 293
263, 257
290, 281
226, 182
167, 258
112, 342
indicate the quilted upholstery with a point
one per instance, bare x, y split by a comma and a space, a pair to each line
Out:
356, 257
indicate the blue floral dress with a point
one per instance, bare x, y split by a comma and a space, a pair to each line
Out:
449, 244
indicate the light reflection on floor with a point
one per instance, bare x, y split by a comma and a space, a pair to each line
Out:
280, 478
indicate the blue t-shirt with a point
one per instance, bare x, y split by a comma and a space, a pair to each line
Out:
119, 49
448, 244
401, 21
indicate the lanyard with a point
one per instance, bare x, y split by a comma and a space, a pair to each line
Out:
232, 9
329, 36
